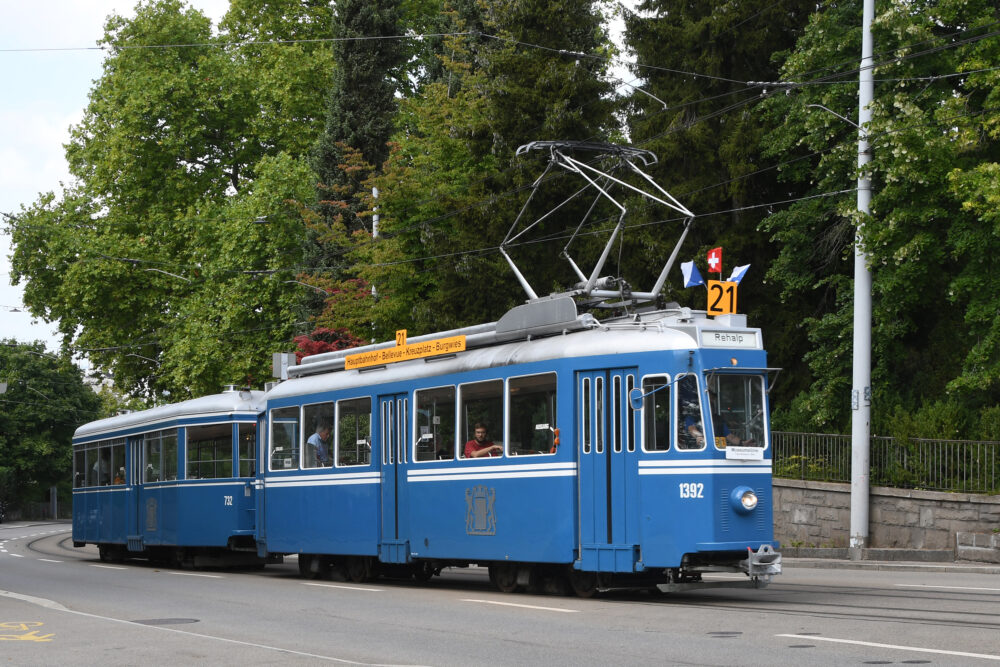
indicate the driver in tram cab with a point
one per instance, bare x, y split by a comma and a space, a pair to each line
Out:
723, 434
480, 446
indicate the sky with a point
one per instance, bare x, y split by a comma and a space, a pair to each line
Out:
42, 93
48, 63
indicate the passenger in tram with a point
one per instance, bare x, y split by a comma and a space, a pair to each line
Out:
480, 446
317, 441
102, 468
119, 476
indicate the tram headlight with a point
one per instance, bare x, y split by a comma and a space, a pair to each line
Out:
743, 499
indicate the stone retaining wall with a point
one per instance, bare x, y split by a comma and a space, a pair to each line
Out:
818, 514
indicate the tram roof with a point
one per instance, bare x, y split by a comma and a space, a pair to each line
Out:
670, 329
226, 403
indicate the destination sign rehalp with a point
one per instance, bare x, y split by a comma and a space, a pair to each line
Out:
391, 355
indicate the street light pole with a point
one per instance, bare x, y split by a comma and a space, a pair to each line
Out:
861, 391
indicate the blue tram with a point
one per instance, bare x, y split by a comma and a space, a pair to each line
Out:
630, 450
174, 482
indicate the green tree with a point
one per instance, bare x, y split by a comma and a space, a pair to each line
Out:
44, 401
452, 186
361, 102
698, 111
142, 259
926, 227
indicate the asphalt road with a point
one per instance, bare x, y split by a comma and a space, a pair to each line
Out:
60, 605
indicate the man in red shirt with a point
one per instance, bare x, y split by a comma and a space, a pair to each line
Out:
480, 446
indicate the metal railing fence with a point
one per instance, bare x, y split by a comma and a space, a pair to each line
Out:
917, 463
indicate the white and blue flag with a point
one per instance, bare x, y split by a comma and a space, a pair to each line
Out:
691, 275
738, 273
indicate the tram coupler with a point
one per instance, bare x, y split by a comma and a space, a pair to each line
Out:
762, 564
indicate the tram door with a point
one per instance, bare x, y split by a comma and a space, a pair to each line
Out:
608, 478
393, 436
135, 511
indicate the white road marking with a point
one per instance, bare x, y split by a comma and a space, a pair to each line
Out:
917, 649
195, 574
107, 567
49, 560
348, 588
957, 588
15, 555
524, 606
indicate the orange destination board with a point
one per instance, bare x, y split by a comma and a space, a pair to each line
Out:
390, 355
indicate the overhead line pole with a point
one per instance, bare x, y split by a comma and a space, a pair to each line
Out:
861, 391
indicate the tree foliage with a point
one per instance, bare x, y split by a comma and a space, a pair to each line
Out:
925, 238
44, 402
151, 259
452, 186
698, 110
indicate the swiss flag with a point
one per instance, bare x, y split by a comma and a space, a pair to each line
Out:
715, 260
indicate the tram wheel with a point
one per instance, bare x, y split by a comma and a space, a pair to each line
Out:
504, 577
308, 566
358, 569
423, 571
584, 584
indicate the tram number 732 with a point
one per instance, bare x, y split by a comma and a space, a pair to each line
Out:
692, 490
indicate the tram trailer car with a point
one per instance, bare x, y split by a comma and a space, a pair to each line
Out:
173, 483
605, 477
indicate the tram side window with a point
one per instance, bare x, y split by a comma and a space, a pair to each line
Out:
170, 454
656, 413
481, 402
284, 438
99, 465
160, 454
118, 461
79, 468
690, 428
435, 432
354, 432
247, 445
737, 405
210, 451
532, 414
318, 449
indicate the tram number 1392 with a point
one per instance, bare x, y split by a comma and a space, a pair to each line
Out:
692, 490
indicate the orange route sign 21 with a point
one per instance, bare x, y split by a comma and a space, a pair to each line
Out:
721, 297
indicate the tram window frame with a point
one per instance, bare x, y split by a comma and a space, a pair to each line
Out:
481, 402
629, 412
347, 416
441, 423
209, 451
80, 468
586, 427
656, 413
117, 461
750, 392
315, 415
616, 412
681, 429
545, 439
246, 448
159, 455
288, 416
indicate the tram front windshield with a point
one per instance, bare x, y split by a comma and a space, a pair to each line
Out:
737, 402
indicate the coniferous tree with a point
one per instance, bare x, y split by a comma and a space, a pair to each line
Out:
368, 54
